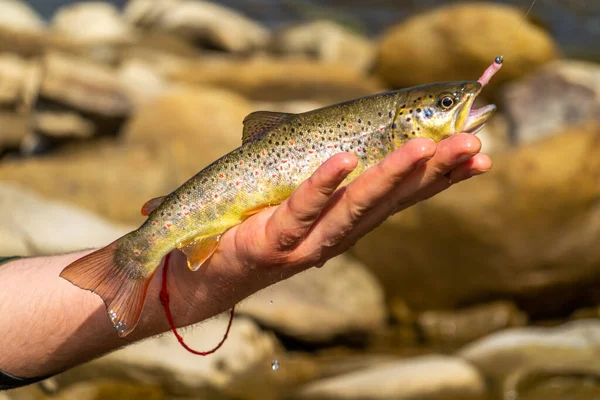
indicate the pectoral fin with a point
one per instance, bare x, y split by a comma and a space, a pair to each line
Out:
199, 250
152, 205
255, 210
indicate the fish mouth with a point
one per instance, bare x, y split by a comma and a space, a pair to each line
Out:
475, 118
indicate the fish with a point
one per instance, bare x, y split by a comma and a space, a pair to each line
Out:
278, 152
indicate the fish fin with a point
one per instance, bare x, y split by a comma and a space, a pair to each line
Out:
255, 210
123, 287
152, 205
199, 250
260, 122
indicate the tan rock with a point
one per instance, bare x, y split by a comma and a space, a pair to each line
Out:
93, 22
268, 79
18, 15
22, 43
523, 231
186, 129
76, 98
83, 85
458, 42
169, 140
341, 298
31, 225
201, 22
328, 42
19, 82
557, 97
466, 325
98, 390
519, 359
14, 127
424, 378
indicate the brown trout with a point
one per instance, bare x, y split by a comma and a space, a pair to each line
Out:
278, 152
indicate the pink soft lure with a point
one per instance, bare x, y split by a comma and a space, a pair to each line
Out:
491, 71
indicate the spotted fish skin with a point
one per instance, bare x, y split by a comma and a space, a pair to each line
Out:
279, 152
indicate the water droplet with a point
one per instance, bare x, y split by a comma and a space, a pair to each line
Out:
270, 301
275, 365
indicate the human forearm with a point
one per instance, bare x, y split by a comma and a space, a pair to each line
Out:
47, 324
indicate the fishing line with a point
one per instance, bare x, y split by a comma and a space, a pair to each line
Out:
164, 300
514, 36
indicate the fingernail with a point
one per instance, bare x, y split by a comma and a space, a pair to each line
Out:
422, 161
477, 172
463, 158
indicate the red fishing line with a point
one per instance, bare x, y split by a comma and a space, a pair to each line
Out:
164, 299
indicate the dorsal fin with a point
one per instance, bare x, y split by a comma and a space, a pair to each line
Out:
152, 205
260, 122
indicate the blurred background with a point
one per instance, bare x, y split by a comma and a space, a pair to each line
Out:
490, 290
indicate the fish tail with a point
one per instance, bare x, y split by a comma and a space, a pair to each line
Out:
121, 283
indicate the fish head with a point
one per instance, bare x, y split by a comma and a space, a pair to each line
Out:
440, 110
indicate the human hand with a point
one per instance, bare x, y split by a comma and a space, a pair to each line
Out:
320, 221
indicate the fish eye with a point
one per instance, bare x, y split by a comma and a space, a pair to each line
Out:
446, 102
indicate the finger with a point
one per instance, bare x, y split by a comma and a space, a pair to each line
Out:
365, 192
294, 217
343, 217
477, 165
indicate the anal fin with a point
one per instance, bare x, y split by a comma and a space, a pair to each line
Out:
199, 250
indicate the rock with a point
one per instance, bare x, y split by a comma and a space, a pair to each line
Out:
162, 361
83, 85
22, 43
462, 326
141, 81
18, 15
91, 22
562, 387
77, 99
32, 225
13, 130
186, 130
13, 78
326, 41
557, 97
99, 390
458, 42
341, 298
111, 180
19, 82
165, 143
519, 358
423, 378
534, 216
202, 22
268, 79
